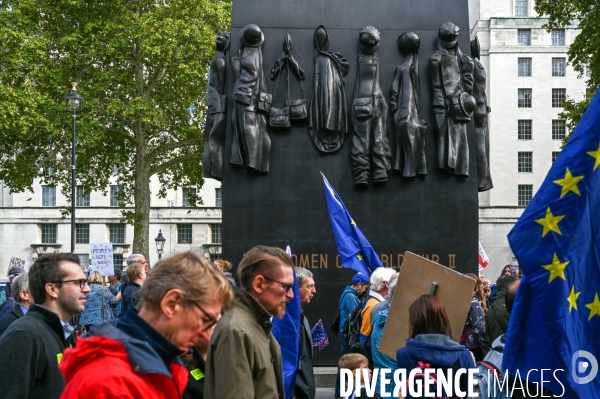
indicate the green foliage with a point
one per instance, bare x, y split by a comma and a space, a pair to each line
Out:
139, 63
584, 52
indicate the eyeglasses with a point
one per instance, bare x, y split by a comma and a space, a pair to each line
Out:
82, 282
287, 287
213, 321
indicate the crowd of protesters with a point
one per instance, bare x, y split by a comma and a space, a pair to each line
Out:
183, 329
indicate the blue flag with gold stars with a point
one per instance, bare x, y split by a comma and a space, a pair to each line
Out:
354, 249
555, 320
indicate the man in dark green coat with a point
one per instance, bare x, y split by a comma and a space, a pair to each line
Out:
244, 358
496, 319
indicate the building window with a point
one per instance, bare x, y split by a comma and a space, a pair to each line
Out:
214, 257
48, 196
524, 37
216, 233
184, 234
525, 162
558, 37
559, 66
82, 233
524, 67
83, 199
588, 71
116, 233
554, 155
118, 263
49, 233
524, 98
525, 194
521, 8
524, 126
558, 96
559, 129
116, 193
218, 198
188, 193
84, 260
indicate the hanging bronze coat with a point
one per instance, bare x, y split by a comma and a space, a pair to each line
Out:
216, 99
327, 119
251, 142
481, 118
370, 146
410, 130
452, 82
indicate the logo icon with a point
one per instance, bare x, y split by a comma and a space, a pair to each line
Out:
580, 366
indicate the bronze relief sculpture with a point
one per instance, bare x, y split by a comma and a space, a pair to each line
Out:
369, 116
452, 82
251, 142
482, 130
409, 129
327, 114
216, 99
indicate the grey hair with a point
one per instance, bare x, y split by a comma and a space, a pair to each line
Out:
301, 274
133, 258
20, 283
380, 276
392, 286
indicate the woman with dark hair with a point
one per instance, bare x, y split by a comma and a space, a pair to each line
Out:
510, 270
430, 344
473, 335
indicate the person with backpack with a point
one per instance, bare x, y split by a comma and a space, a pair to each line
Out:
380, 280
430, 345
349, 300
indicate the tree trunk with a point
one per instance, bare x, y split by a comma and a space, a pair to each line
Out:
141, 198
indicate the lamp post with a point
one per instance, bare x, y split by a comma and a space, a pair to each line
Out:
74, 103
160, 244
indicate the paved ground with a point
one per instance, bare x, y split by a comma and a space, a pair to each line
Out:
324, 393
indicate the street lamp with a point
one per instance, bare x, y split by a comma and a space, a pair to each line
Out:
74, 103
160, 244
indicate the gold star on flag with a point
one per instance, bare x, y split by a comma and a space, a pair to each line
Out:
594, 307
596, 154
550, 222
569, 183
353, 222
556, 268
360, 257
572, 299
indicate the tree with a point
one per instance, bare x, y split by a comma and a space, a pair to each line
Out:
140, 65
583, 52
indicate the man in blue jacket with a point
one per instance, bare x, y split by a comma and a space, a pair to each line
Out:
348, 302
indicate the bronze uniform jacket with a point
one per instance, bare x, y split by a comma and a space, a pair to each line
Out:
244, 358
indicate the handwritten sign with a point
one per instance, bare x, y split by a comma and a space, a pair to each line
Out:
101, 254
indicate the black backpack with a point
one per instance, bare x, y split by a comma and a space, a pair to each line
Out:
353, 324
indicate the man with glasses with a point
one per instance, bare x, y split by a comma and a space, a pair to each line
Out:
138, 355
244, 358
32, 347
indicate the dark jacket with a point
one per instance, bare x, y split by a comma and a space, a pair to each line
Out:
437, 350
129, 297
37, 340
12, 316
125, 359
244, 358
6, 307
496, 319
305, 379
197, 369
473, 336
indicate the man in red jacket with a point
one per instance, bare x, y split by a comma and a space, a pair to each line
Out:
136, 356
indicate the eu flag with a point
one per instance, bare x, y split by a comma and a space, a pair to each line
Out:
354, 249
287, 332
556, 315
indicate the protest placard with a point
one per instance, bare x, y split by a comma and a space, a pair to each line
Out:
417, 275
101, 254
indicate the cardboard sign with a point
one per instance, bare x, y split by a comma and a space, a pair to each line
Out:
417, 275
101, 254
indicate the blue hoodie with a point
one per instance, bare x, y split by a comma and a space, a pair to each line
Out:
439, 351
348, 302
